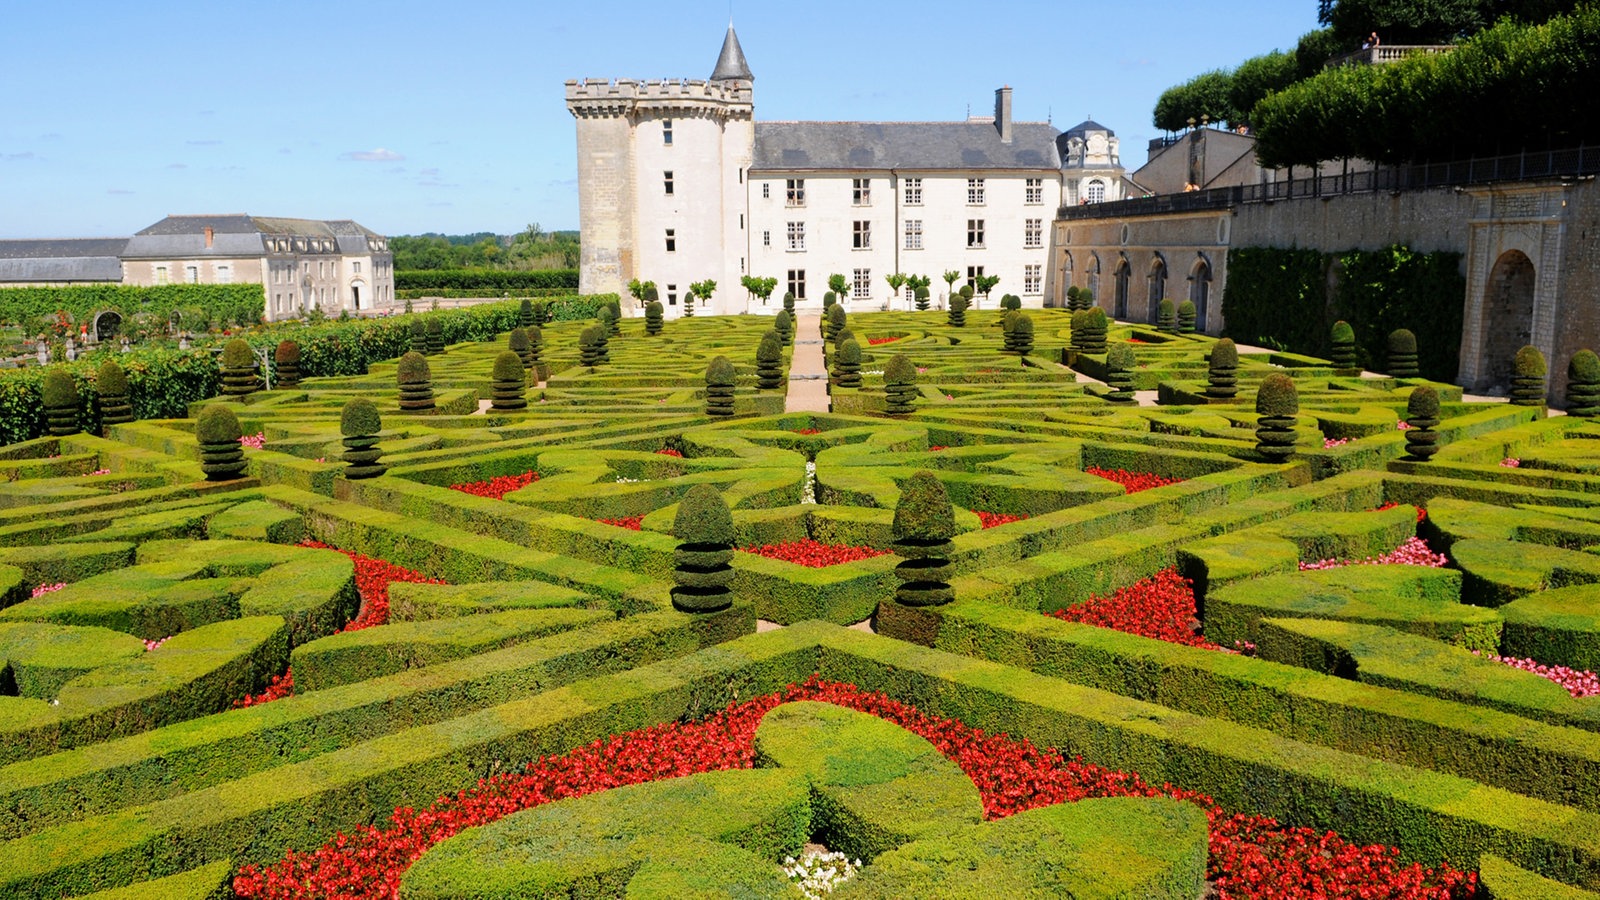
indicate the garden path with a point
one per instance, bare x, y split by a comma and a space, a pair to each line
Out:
808, 377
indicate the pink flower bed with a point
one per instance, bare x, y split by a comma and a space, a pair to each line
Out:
1578, 683
1414, 552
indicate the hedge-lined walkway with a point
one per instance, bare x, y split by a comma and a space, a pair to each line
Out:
808, 375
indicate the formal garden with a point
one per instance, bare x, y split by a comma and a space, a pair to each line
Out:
488, 604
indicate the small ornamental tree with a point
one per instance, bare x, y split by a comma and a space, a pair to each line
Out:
1277, 404
1008, 320
1120, 361
924, 299
1085, 299
1343, 355
769, 362
1167, 317
1071, 296
1187, 317
360, 424
835, 321
607, 322
639, 290
1403, 354
1422, 415
241, 373
1094, 331
1019, 339
1583, 384
286, 365
759, 287
897, 280
415, 379
419, 335
844, 334
924, 523
60, 395
1010, 301
650, 295
589, 346
111, 383
720, 381
847, 365
1527, 377
518, 344
983, 284
900, 385
783, 324
957, 314
221, 454
702, 570
788, 303
435, 336
653, 318
951, 276
702, 290
510, 385
526, 318
840, 286
1222, 371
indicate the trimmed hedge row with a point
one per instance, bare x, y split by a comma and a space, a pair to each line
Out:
489, 279
201, 305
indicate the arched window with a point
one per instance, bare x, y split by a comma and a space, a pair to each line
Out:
1200, 292
1122, 276
1096, 192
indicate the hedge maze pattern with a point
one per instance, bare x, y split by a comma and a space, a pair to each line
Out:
144, 605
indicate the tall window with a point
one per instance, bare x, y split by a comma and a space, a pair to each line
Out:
161, 274
1097, 191
672, 240
797, 283
1032, 276
672, 295
973, 274
975, 234
975, 191
913, 191
1033, 192
191, 274
666, 132
913, 234
861, 236
861, 287
766, 238
797, 237
666, 182
355, 268
1033, 233
225, 273
795, 192
766, 190
861, 191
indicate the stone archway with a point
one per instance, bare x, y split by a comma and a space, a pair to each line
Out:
107, 324
1507, 317
1092, 276
1158, 288
1123, 276
1200, 291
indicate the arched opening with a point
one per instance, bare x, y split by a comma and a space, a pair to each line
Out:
1200, 291
1158, 288
1123, 276
1092, 279
1507, 321
1096, 192
1064, 280
107, 325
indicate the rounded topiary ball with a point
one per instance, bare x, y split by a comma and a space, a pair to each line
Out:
60, 395
1527, 379
217, 431
217, 424
704, 518
360, 418
236, 354
924, 512
507, 367
1224, 355
111, 380
286, 352
1277, 396
1403, 354
413, 368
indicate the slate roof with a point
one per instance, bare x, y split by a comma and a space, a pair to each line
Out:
731, 64
237, 235
1086, 126
78, 259
788, 146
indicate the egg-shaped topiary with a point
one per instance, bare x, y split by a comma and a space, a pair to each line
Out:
1019, 339
956, 315
654, 317
783, 324
829, 298
833, 322
1343, 354
900, 385
286, 365
1277, 404
923, 298
720, 380
111, 383
517, 342
1527, 377
526, 317
415, 379
509, 383
1010, 301
1187, 317
1583, 384
1422, 415
589, 346
217, 431
769, 362
1403, 354
1222, 371
1167, 317
847, 364
1094, 331
434, 336
788, 302
419, 335
1120, 360
60, 399
702, 573
360, 423
241, 373
924, 522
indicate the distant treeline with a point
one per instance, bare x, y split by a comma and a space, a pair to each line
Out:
534, 248
491, 281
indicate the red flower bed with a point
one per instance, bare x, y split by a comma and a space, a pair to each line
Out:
936, 448
372, 581
873, 342
1134, 340
1421, 513
1251, 856
1160, 607
632, 523
808, 431
281, 686
496, 488
1133, 481
814, 554
995, 520
668, 451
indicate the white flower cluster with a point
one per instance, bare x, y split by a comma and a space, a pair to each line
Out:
808, 494
621, 480
817, 874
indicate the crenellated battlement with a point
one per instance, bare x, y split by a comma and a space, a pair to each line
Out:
591, 97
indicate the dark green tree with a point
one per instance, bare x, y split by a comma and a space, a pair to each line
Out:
221, 455
788, 302
1203, 97
360, 423
702, 573
1343, 340
1094, 331
924, 523
111, 383
1019, 339
419, 335
1120, 361
1583, 384
769, 362
435, 336
60, 395
508, 390
957, 313
414, 378
1011, 301
518, 344
1527, 377
1277, 404
783, 324
1222, 371
286, 365
653, 316
1257, 77
526, 317
1422, 415
720, 380
924, 299
835, 321
1403, 354
589, 346
241, 373
900, 385
1167, 317
847, 365
1186, 317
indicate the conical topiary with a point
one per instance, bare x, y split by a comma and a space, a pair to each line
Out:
241, 373
615, 306
653, 318
518, 343
1187, 317
702, 574
603, 316
1094, 331
434, 336
111, 383
788, 303
1167, 317
510, 385
924, 523
1019, 339
1079, 325
536, 354
835, 321
1277, 404
1527, 377
923, 298
221, 455
899, 385
1403, 354
1343, 354
360, 423
415, 379
419, 335
720, 380
1422, 415
589, 346
1583, 384
769, 362
847, 365
526, 317
1119, 373
286, 365
60, 395
957, 314
783, 324
602, 340
1222, 371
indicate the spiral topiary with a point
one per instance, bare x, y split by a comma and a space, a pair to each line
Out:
1343, 355
924, 523
957, 314
360, 423
788, 303
603, 316
1527, 377
833, 322
286, 365
1403, 354
536, 353
651, 295
1422, 415
60, 395
720, 380
923, 299
111, 383
702, 574
1079, 324
783, 324
1277, 404
415, 379
221, 455
419, 335
1167, 317
1094, 331
769, 362
526, 317
1583, 384
654, 316
1019, 339
1120, 361
900, 385
589, 346
518, 344
847, 365
1222, 371
615, 308
1187, 317
435, 336
510, 384
241, 373
1010, 301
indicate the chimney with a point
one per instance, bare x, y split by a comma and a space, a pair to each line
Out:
209, 234
1002, 114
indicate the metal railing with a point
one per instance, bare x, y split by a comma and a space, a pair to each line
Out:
1524, 166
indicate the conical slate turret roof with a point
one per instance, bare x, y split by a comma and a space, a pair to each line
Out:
731, 64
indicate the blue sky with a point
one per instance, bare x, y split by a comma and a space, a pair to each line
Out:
413, 117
